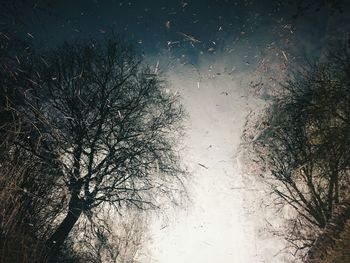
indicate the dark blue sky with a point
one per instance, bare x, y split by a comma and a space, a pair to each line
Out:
155, 26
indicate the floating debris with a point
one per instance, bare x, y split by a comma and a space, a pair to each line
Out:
189, 37
29, 34
285, 56
202, 165
167, 24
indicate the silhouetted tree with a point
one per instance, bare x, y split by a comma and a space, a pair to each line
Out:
106, 241
107, 123
25, 192
303, 141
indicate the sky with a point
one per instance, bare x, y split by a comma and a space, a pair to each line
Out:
216, 54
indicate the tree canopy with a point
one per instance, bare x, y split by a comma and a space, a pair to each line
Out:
103, 129
302, 143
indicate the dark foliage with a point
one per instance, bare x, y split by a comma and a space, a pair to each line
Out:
304, 144
92, 133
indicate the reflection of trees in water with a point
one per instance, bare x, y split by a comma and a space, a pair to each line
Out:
301, 144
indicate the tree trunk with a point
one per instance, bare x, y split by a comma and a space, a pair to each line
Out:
336, 194
57, 239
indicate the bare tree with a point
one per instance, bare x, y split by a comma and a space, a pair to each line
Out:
102, 240
108, 124
302, 142
21, 184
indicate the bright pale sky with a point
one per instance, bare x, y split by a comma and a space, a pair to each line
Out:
215, 227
